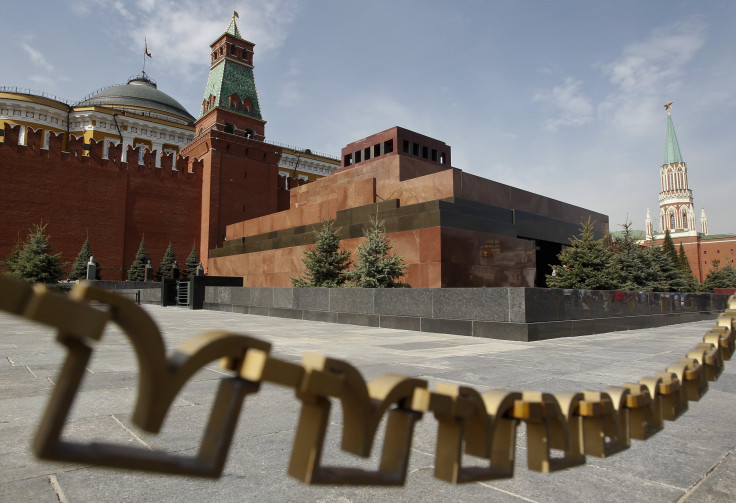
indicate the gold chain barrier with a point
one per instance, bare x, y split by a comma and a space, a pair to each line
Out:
562, 428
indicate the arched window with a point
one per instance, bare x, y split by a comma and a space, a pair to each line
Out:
684, 220
670, 180
672, 220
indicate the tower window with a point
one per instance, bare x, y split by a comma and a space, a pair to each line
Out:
684, 220
233, 50
672, 219
670, 180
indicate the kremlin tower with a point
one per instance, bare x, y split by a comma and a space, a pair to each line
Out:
676, 211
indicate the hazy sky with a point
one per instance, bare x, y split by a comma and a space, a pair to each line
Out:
562, 98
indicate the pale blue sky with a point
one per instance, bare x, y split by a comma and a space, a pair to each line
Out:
563, 98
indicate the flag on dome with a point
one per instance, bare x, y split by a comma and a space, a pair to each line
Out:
147, 51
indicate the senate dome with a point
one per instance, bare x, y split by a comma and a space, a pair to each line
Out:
141, 96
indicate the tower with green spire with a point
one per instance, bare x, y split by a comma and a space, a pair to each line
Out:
676, 211
230, 96
240, 174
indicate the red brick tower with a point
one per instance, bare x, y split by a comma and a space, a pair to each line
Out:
240, 171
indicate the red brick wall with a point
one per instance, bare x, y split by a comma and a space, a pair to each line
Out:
113, 203
700, 253
723, 249
240, 182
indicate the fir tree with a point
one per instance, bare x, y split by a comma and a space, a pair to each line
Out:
137, 271
662, 273
585, 264
326, 264
682, 259
35, 262
11, 262
192, 262
628, 270
687, 272
79, 266
720, 277
668, 247
376, 268
166, 269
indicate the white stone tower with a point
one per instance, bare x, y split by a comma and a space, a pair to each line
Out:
703, 222
676, 211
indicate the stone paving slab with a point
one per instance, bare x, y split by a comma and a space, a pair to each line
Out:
690, 460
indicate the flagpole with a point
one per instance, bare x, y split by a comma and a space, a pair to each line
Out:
145, 44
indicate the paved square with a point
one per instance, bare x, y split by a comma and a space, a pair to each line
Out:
691, 459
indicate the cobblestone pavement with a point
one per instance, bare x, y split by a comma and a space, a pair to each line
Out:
691, 459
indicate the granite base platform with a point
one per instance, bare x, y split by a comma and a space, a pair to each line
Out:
518, 314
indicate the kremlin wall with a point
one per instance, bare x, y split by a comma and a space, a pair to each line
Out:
130, 162
127, 163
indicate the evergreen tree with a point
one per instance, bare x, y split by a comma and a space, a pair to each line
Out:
11, 262
628, 270
682, 259
79, 266
35, 262
585, 264
376, 268
720, 277
326, 264
662, 274
191, 264
166, 269
137, 271
668, 247
687, 272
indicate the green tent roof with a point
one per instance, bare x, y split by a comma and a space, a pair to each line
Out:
671, 148
228, 78
232, 29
